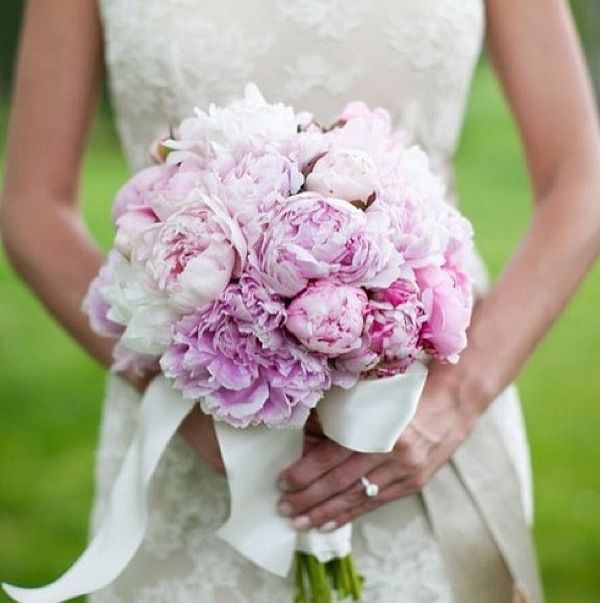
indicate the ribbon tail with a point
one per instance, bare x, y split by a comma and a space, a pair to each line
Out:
123, 526
253, 459
372, 415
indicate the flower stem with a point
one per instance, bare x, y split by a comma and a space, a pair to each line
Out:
316, 582
300, 593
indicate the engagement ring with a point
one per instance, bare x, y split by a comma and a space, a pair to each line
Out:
371, 489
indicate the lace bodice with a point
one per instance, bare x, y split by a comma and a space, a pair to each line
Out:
414, 57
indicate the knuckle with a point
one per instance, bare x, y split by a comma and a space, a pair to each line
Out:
401, 445
319, 516
329, 453
412, 462
339, 477
419, 480
389, 495
294, 479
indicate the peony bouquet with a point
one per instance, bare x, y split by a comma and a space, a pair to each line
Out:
266, 266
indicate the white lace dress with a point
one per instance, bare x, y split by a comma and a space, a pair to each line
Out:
414, 57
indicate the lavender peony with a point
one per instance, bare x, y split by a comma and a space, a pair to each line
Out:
315, 237
236, 356
328, 317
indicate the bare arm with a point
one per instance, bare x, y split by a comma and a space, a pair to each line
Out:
58, 77
56, 87
539, 61
537, 56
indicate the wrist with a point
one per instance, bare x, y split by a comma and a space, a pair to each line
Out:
469, 389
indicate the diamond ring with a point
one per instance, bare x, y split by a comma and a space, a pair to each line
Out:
371, 489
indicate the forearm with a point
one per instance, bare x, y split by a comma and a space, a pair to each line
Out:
561, 243
53, 253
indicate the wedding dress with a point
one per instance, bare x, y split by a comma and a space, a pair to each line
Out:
413, 57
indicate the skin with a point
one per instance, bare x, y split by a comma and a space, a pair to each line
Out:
540, 65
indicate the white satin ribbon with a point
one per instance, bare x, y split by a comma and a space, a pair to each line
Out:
326, 546
124, 523
253, 459
367, 418
371, 416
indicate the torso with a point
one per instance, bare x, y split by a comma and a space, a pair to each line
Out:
413, 57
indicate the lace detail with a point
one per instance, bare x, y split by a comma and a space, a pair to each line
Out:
310, 72
166, 56
333, 19
414, 57
410, 572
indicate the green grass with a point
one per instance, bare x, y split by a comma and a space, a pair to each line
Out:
50, 392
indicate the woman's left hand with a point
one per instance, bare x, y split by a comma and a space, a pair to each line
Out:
323, 488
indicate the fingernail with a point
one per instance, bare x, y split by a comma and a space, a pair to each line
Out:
285, 509
284, 486
328, 527
301, 523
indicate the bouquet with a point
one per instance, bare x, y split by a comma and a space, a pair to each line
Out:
266, 266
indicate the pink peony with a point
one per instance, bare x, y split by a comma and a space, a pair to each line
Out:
255, 183
349, 366
362, 128
396, 317
140, 187
347, 174
193, 254
391, 339
328, 318
236, 356
179, 191
130, 224
448, 303
314, 237
95, 304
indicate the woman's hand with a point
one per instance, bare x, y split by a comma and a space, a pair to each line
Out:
323, 488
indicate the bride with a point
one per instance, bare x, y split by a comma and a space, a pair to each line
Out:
451, 521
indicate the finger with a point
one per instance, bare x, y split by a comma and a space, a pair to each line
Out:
400, 489
334, 482
310, 441
352, 496
317, 461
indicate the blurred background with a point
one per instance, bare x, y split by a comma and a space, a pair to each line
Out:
50, 392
